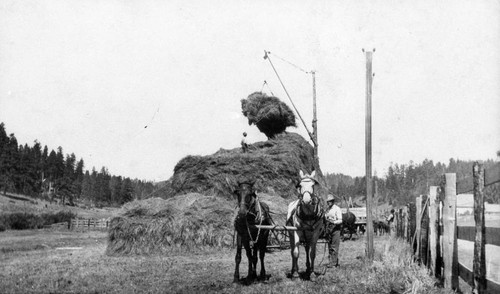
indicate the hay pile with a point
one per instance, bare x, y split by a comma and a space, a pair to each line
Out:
156, 225
274, 164
268, 113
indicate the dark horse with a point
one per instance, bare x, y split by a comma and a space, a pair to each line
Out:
348, 225
251, 212
306, 215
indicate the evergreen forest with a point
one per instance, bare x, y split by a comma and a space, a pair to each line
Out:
35, 171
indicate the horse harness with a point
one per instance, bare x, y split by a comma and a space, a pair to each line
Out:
259, 216
317, 216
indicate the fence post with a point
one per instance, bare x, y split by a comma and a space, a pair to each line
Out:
405, 222
413, 219
433, 229
479, 263
418, 203
450, 254
424, 231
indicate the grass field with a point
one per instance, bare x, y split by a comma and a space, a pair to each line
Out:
70, 262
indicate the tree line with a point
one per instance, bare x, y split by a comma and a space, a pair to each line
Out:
34, 171
402, 183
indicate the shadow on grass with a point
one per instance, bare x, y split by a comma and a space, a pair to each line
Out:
247, 281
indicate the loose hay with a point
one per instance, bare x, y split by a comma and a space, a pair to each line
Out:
268, 113
156, 225
274, 164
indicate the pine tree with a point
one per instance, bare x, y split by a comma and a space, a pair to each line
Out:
127, 191
115, 185
79, 178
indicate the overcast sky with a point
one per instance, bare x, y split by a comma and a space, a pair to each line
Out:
91, 75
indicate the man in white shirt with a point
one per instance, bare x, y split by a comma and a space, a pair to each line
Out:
333, 218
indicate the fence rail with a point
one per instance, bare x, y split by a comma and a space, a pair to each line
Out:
89, 224
430, 225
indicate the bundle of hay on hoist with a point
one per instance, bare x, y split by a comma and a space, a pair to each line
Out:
268, 113
197, 203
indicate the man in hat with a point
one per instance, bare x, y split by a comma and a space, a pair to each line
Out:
333, 218
244, 143
390, 222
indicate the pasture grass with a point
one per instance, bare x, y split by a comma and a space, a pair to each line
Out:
34, 264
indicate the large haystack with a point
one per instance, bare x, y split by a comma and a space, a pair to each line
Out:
198, 205
274, 164
268, 113
155, 225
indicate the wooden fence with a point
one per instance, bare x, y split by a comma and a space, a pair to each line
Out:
89, 224
430, 226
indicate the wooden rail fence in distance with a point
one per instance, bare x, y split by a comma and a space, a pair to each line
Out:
89, 224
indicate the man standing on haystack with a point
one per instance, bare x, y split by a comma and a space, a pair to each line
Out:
333, 227
244, 142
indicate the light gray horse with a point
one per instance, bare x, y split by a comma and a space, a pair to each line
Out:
306, 214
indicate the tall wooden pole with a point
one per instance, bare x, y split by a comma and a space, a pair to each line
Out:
323, 190
315, 128
368, 155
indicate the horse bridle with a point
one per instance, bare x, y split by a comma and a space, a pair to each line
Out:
314, 202
259, 215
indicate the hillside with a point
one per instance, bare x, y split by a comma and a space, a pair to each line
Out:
12, 203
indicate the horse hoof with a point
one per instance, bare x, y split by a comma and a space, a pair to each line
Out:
236, 280
295, 276
312, 277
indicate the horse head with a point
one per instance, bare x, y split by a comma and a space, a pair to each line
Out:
306, 187
246, 196
309, 206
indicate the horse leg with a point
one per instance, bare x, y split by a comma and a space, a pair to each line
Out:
308, 260
262, 254
294, 250
254, 260
237, 260
248, 251
313, 257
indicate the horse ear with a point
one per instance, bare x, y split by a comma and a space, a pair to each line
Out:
313, 174
301, 173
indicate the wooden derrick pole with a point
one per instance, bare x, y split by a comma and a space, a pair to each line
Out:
368, 156
315, 120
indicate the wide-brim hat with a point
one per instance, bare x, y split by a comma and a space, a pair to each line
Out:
330, 197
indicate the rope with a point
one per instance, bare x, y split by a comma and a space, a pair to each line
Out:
266, 84
266, 56
294, 65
